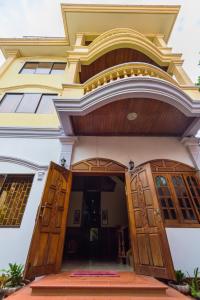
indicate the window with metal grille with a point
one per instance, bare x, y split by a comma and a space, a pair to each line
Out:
14, 192
43, 68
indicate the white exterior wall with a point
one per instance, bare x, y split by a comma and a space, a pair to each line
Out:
124, 149
185, 248
14, 242
184, 242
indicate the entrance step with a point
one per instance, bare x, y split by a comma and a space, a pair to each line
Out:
127, 284
126, 287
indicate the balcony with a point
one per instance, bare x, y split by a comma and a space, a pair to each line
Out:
123, 71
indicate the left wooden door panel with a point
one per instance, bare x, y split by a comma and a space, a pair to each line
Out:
45, 253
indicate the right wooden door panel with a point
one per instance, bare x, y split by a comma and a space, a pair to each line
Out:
149, 242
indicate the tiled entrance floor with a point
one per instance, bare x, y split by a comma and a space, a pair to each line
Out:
70, 265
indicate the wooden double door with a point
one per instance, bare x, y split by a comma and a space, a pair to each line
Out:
151, 253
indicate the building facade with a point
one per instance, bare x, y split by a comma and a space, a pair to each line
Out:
107, 94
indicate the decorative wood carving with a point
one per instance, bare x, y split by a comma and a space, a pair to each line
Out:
150, 247
99, 165
166, 165
45, 253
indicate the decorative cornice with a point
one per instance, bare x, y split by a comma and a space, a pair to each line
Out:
190, 141
12, 52
24, 86
123, 37
31, 132
33, 41
147, 9
153, 88
130, 87
68, 140
23, 162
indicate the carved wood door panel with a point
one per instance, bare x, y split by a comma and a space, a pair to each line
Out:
45, 253
150, 247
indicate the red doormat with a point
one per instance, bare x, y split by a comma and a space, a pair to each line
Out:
88, 273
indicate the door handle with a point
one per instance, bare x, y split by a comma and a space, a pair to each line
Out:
42, 209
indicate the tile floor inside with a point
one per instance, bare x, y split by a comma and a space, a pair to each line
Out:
70, 265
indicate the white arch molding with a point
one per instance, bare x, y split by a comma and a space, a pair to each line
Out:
131, 87
36, 168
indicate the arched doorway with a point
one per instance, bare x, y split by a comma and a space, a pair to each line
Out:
97, 233
99, 165
152, 202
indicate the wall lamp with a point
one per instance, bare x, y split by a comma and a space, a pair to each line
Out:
131, 165
62, 162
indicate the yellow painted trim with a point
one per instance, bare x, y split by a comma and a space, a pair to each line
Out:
122, 38
25, 86
29, 120
126, 70
147, 9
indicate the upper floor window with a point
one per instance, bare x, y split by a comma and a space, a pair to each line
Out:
43, 68
27, 103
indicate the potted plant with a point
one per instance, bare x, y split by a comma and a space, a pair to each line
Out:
3, 280
195, 284
180, 283
15, 275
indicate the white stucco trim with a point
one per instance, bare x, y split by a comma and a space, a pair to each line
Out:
23, 162
192, 144
131, 87
30, 132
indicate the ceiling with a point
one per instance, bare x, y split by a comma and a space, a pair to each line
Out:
154, 118
93, 183
91, 18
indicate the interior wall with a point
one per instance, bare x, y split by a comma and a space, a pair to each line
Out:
76, 201
113, 202
124, 149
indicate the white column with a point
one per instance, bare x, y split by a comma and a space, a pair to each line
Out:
67, 144
193, 146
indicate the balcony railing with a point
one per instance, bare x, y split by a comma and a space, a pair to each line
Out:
125, 70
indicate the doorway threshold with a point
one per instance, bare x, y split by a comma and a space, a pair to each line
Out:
71, 265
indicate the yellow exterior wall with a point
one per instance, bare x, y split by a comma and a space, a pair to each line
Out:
11, 81
66, 85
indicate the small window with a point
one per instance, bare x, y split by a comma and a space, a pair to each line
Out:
58, 68
14, 194
29, 68
165, 197
43, 68
10, 103
184, 200
46, 105
179, 198
194, 188
27, 103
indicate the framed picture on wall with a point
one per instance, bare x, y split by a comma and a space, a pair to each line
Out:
104, 217
77, 217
